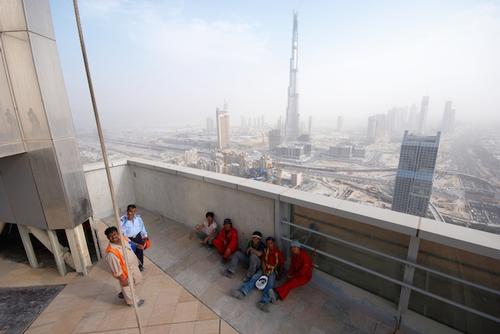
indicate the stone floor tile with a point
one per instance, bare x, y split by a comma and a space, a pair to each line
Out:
186, 311
159, 329
162, 315
182, 328
207, 327
186, 297
90, 322
226, 329
168, 296
204, 313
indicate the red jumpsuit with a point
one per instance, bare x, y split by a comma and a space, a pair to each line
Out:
299, 274
226, 242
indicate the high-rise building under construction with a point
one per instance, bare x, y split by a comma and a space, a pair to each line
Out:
292, 110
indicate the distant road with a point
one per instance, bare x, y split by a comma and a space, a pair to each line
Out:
435, 213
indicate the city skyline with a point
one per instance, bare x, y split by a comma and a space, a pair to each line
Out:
235, 53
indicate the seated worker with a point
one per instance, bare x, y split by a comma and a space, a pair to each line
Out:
251, 257
116, 263
272, 267
133, 228
206, 231
226, 242
299, 273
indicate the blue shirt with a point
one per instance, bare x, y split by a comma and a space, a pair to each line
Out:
131, 228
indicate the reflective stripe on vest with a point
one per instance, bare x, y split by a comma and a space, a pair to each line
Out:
269, 268
119, 255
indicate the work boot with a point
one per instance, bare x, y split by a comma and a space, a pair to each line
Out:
237, 294
228, 273
272, 296
140, 302
263, 306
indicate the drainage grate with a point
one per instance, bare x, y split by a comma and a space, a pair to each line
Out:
19, 307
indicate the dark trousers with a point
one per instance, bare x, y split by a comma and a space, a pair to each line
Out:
139, 252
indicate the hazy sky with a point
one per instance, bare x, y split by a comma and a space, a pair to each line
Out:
171, 63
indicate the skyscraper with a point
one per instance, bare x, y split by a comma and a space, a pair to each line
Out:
340, 123
422, 117
376, 127
309, 129
292, 110
417, 162
413, 118
274, 136
210, 124
448, 122
222, 116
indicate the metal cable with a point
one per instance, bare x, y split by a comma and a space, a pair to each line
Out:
105, 158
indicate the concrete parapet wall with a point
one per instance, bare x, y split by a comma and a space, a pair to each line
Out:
97, 183
184, 194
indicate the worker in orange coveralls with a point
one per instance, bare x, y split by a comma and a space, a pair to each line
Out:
299, 273
227, 240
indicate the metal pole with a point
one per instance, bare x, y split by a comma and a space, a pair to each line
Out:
105, 158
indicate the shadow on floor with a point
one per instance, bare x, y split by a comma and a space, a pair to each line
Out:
307, 310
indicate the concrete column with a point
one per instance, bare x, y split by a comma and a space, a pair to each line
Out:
57, 251
404, 297
78, 248
284, 213
28, 246
95, 238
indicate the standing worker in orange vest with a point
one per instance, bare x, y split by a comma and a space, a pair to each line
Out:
116, 263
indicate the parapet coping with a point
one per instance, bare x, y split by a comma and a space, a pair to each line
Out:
100, 165
474, 241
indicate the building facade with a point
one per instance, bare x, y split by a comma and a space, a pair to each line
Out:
422, 116
448, 123
414, 178
223, 127
292, 110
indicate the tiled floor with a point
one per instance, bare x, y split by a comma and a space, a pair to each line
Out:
90, 305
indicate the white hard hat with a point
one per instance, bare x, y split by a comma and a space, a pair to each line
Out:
261, 282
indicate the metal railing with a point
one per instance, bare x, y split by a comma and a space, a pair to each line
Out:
393, 280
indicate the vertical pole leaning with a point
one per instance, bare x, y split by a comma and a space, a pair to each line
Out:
105, 158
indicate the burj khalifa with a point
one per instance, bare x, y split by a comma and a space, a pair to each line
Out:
292, 110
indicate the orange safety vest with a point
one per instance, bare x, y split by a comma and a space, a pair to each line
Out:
119, 255
270, 268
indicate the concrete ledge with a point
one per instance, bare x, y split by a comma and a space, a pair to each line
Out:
311, 201
262, 189
154, 165
475, 241
383, 218
100, 165
227, 181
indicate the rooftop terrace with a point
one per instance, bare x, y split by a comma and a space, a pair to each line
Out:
376, 270
384, 265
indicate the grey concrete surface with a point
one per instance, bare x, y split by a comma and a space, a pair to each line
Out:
97, 184
310, 309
